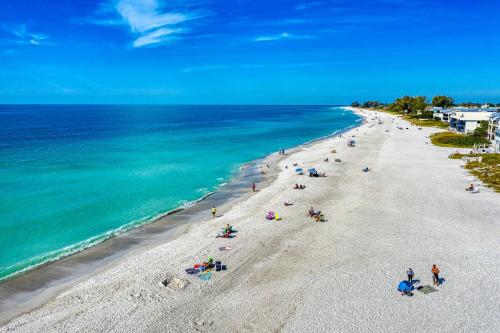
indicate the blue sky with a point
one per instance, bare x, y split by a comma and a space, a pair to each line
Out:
242, 51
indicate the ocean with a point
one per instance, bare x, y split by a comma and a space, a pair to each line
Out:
72, 176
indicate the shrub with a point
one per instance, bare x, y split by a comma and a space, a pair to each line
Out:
448, 139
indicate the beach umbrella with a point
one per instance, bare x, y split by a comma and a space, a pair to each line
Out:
298, 170
312, 170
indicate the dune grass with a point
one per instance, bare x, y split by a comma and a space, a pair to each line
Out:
449, 139
488, 170
426, 122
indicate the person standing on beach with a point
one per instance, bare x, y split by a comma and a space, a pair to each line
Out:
214, 212
435, 274
253, 187
410, 274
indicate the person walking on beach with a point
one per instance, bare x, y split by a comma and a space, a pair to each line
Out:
214, 212
410, 274
435, 274
253, 187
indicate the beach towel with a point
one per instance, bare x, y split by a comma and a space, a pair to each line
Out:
427, 289
205, 276
192, 271
223, 248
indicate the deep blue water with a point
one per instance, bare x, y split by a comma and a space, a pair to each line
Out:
71, 176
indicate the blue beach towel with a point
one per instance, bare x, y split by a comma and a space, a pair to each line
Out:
205, 276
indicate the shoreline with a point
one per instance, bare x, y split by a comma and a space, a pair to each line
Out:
33, 287
409, 210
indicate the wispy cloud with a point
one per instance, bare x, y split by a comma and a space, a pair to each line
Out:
21, 35
309, 4
151, 22
283, 35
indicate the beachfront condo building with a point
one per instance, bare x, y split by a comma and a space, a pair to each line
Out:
493, 126
496, 142
468, 121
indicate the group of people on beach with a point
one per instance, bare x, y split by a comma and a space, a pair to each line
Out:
281, 152
435, 274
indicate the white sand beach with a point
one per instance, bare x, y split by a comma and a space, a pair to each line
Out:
297, 275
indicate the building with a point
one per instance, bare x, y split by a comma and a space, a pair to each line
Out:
467, 121
496, 142
493, 125
443, 115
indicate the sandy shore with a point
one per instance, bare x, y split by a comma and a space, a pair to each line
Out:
410, 210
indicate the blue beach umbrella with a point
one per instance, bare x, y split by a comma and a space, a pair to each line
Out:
312, 170
298, 170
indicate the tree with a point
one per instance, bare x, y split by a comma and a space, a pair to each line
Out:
470, 105
419, 103
443, 101
409, 104
355, 104
371, 104
481, 130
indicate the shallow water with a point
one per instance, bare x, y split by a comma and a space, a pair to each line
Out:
72, 176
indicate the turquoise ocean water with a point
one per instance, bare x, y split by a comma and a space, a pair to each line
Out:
72, 176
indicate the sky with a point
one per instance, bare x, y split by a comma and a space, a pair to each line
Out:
247, 51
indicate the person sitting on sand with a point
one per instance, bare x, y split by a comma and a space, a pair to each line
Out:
227, 229
302, 187
326, 159
296, 187
470, 188
311, 212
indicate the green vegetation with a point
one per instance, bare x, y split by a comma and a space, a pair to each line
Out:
449, 139
443, 101
470, 105
487, 170
372, 104
482, 130
427, 122
408, 104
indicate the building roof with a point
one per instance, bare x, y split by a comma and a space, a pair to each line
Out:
472, 115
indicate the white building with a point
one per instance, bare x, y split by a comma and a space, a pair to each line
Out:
496, 142
468, 121
493, 125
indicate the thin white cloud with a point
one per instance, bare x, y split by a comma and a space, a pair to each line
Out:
283, 35
150, 21
21, 35
309, 4
157, 36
